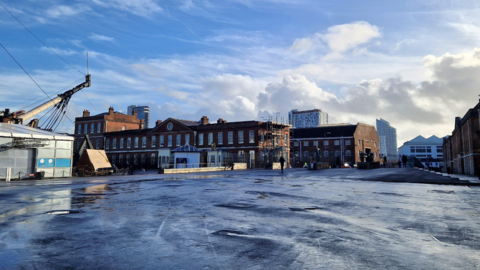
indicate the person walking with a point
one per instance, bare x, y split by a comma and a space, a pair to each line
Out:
385, 161
399, 163
282, 162
404, 160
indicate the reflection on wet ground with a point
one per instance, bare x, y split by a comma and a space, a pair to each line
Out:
241, 220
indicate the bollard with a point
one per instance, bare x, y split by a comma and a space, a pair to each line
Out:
8, 175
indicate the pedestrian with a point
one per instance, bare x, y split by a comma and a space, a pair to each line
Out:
282, 162
404, 160
385, 161
399, 163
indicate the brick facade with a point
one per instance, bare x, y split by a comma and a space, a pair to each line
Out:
337, 144
462, 148
250, 141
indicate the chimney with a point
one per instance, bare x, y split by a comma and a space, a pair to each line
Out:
220, 121
86, 113
110, 110
204, 120
158, 122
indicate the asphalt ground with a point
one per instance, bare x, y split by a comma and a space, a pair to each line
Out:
251, 219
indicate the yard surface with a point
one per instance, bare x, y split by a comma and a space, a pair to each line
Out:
250, 219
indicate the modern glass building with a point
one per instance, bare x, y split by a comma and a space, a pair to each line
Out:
306, 119
388, 139
143, 112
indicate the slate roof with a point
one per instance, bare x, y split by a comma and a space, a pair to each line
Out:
343, 130
420, 140
187, 148
187, 123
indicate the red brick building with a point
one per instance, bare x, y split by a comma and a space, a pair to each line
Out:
252, 142
337, 144
95, 126
462, 148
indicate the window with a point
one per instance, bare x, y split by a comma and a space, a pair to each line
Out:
99, 127
359, 152
358, 142
161, 141
114, 143
210, 138
200, 139
187, 139
325, 153
337, 153
305, 143
429, 149
135, 159
154, 141
375, 154
325, 143
348, 153
170, 140
152, 158
305, 154
85, 129
92, 128
178, 141
296, 144
136, 142
336, 142
113, 159
79, 129
212, 159
262, 136
251, 136
97, 144
315, 143
439, 149
144, 142
241, 156
128, 159
120, 159
285, 139
121, 143
374, 144
230, 137
347, 142
262, 155
240, 136
129, 142
123, 127
220, 138
107, 144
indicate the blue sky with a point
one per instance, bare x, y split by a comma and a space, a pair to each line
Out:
412, 63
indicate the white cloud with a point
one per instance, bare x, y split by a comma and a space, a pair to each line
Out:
341, 38
144, 8
97, 37
59, 51
65, 11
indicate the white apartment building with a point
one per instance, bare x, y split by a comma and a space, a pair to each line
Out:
306, 119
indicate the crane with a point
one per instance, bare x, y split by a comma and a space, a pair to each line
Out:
60, 102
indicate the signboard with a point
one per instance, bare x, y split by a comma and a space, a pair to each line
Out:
63, 162
29, 142
45, 163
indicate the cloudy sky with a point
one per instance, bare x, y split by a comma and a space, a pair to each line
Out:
413, 63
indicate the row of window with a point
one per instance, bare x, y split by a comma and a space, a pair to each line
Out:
92, 128
325, 143
348, 153
120, 143
128, 161
425, 149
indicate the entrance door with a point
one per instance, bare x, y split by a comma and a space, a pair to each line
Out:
252, 159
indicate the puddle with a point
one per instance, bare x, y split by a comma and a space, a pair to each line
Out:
228, 232
63, 212
304, 209
442, 191
236, 205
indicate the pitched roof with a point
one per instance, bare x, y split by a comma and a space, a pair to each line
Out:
187, 123
327, 131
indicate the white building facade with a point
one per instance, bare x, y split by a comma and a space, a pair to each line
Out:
306, 119
428, 150
388, 139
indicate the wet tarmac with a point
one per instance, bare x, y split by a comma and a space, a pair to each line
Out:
253, 219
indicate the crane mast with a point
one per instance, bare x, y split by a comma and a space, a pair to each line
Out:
61, 100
